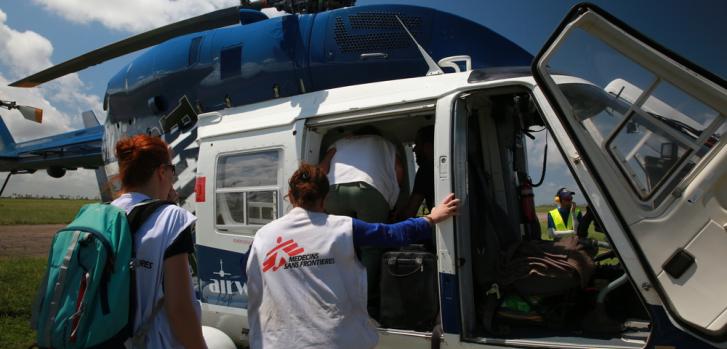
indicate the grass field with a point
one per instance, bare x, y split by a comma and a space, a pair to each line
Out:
39, 211
19, 278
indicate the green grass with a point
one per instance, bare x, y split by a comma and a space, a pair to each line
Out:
19, 279
20, 276
544, 208
39, 211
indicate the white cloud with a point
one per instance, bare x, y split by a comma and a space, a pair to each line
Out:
28, 52
23, 52
557, 174
62, 101
132, 15
536, 149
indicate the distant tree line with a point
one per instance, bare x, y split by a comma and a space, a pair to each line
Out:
46, 197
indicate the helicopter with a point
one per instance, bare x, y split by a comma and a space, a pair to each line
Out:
651, 169
193, 67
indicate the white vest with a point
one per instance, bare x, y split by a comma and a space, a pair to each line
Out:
306, 287
154, 236
370, 159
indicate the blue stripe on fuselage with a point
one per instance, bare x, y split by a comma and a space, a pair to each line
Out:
450, 303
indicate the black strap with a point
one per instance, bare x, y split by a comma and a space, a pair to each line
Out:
138, 215
141, 212
104, 285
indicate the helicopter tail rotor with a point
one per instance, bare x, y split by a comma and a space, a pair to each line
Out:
30, 113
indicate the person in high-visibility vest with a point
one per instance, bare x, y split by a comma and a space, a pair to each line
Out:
564, 219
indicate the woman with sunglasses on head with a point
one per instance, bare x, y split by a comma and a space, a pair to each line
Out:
306, 285
165, 300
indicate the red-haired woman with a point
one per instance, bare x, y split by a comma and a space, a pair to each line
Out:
306, 287
162, 245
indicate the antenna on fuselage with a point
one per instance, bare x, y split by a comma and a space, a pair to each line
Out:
434, 69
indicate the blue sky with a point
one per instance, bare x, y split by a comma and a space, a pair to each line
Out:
36, 33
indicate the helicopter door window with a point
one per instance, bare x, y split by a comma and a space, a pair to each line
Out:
246, 191
658, 137
652, 130
230, 62
194, 45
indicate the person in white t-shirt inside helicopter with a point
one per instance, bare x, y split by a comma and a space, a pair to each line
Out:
365, 173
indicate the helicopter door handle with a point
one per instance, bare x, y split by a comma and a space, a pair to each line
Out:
443, 167
679, 262
376, 55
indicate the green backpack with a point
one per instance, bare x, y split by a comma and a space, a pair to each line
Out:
87, 297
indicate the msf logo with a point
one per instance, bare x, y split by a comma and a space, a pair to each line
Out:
274, 260
224, 286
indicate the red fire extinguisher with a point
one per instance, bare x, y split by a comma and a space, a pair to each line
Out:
527, 201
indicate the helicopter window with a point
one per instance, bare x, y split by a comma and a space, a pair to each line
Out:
247, 191
194, 50
230, 62
654, 131
646, 153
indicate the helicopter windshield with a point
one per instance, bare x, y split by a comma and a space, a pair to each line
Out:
654, 122
648, 142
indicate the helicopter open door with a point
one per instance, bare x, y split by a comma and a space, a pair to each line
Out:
649, 127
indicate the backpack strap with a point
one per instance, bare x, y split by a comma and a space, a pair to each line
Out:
142, 211
138, 215
58, 287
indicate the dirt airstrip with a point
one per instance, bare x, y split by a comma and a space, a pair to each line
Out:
26, 240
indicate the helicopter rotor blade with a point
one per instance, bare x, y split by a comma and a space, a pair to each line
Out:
212, 20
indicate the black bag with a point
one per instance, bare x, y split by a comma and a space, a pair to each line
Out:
409, 289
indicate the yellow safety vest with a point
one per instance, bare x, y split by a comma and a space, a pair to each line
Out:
558, 220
